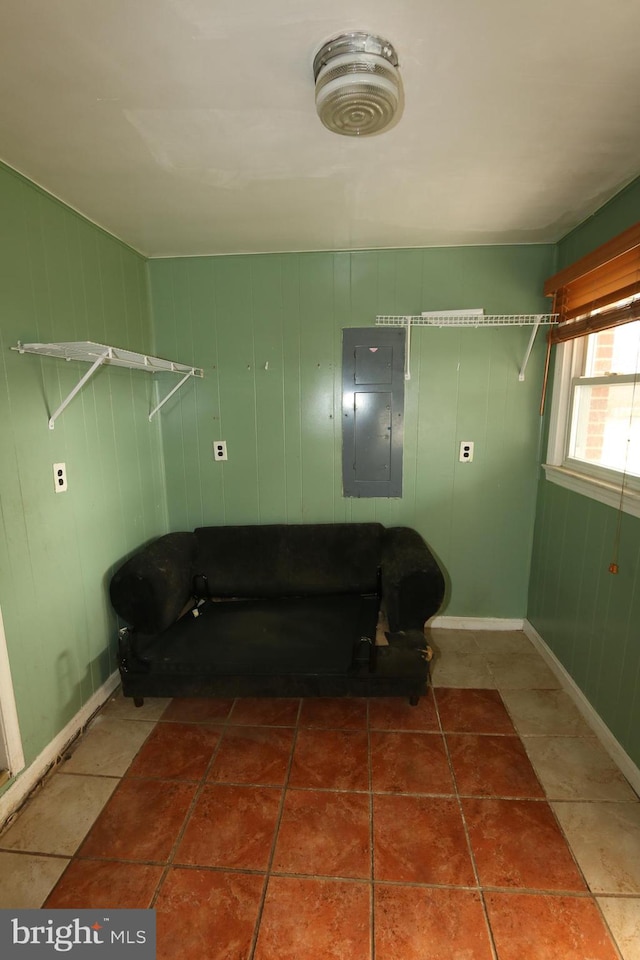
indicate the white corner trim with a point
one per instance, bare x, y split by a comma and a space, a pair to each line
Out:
12, 798
617, 753
9, 724
474, 623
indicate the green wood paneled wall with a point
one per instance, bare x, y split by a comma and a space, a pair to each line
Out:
588, 616
267, 330
61, 278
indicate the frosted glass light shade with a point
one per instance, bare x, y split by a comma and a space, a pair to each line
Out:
357, 84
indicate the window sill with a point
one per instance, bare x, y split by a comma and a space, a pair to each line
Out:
601, 490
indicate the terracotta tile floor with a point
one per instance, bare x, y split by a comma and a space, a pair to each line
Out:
487, 823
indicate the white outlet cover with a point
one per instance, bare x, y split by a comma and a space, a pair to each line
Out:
60, 477
466, 451
219, 449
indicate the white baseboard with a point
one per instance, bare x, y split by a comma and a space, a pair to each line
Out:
617, 753
13, 797
474, 623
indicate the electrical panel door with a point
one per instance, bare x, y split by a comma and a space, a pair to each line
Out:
373, 363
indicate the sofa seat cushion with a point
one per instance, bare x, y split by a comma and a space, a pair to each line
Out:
264, 637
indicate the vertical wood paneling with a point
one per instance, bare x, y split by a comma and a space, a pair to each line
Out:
588, 616
236, 378
342, 306
317, 401
64, 279
283, 425
203, 352
270, 437
627, 709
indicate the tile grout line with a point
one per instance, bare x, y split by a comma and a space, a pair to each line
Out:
588, 894
372, 916
476, 874
607, 927
268, 870
591, 895
224, 725
187, 818
73, 857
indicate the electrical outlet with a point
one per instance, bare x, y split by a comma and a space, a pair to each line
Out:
220, 450
466, 451
60, 477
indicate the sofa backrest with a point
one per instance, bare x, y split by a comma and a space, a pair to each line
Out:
289, 560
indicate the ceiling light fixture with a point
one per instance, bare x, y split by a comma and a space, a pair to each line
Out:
357, 84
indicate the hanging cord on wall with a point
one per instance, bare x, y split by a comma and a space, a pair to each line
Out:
613, 566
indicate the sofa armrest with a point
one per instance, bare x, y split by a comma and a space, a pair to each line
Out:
411, 579
151, 589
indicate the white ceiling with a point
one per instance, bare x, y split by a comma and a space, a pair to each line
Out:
189, 127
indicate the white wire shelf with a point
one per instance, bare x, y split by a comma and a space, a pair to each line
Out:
99, 354
459, 319
469, 318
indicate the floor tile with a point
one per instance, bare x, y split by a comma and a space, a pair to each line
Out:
141, 821
623, 917
517, 843
334, 759
253, 755
396, 713
176, 751
198, 710
337, 713
88, 884
59, 815
267, 711
108, 746
605, 838
231, 827
492, 766
324, 833
505, 643
413, 923
473, 711
420, 840
458, 661
522, 672
545, 713
207, 915
454, 643
26, 880
574, 768
210, 899
410, 763
542, 927
123, 708
305, 919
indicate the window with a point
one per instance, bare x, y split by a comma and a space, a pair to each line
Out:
594, 440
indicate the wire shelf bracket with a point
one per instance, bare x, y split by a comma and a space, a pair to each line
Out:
470, 318
98, 355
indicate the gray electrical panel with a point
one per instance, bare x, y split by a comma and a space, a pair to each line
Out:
373, 363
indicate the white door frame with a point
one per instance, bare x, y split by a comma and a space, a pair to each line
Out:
11, 753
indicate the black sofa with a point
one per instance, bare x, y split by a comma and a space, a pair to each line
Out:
277, 610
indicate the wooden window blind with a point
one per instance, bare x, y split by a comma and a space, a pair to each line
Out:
593, 293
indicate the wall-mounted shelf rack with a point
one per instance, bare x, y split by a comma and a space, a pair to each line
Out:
470, 318
98, 354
